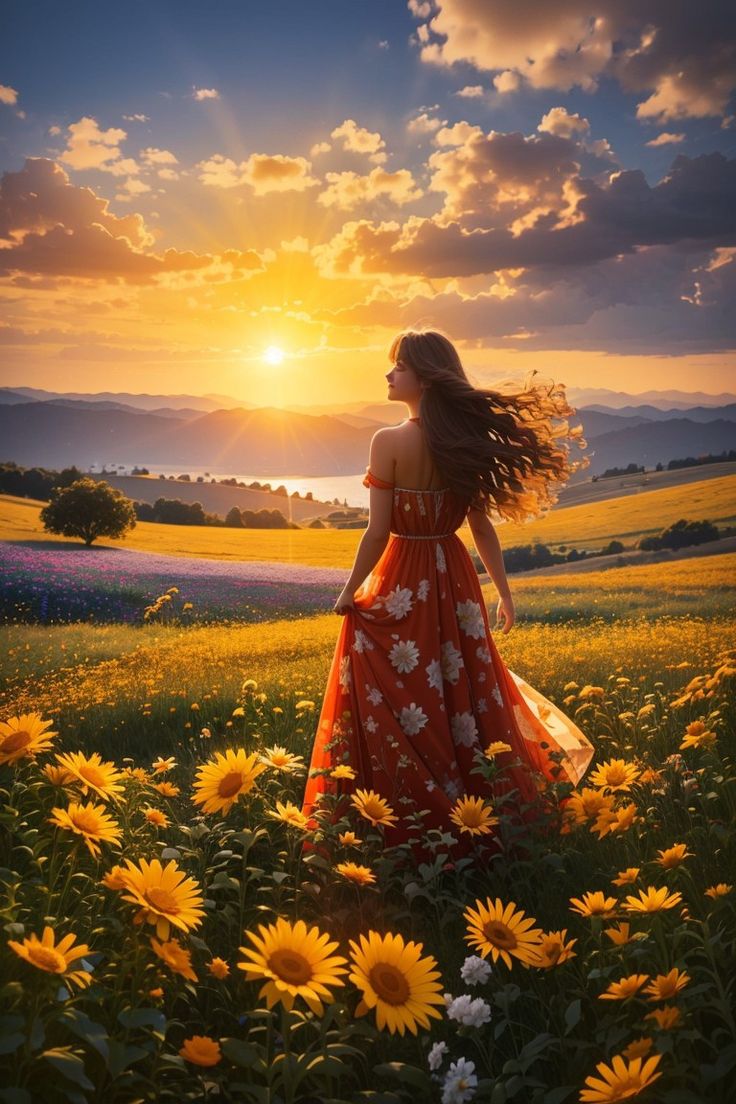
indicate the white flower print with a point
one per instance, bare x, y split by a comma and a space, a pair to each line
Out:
452, 788
404, 656
345, 674
481, 676
464, 729
441, 562
423, 590
400, 684
361, 642
482, 705
470, 618
452, 661
399, 601
370, 724
483, 654
373, 694
496, 694
412, 719
434, 675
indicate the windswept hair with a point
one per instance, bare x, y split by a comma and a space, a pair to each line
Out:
497, 450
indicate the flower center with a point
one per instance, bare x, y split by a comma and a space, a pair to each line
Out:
552, 951
290, 966
93, 776
161, 900
230, 784
47, 959
472, 816
498, 934
16, 742
87, 822
616, 775
389, 983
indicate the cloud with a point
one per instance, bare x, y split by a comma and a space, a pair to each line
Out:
153, 156
200, 94
8, 95
319, 148
89, 147
347, 189
559, 121
424, 124
138, 118
357, 139
683, 57
471, 91
666, 138
263, 172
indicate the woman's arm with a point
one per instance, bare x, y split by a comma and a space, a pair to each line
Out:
375, 538
489, 549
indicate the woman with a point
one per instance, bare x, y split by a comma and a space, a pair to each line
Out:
417, 687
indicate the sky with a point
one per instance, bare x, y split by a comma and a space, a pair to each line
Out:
251, 199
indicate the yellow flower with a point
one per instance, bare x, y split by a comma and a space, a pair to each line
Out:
553, 950
719, 890
501, 931
92, 774
594, 904
176, 957
238, 711
589, 691
167, 789
650, 775
281, 759
473, 815
396, 980
638, 1048
624, 988
666, 1017
156, 817
295, 962
373, 807
697, 736
625, 817
223, 779
23, 737
200, 1050
290, 814
139, 773
161, 765
115, 878
652, 900
88, 821
667, 986
52, 957
219, 968
362, 875
165, 896
615, 775
349, 839
586, 805
304, 705
673, 856
620, 1080
620, 934
627, 876
342, 771
496, 747
57, 776
156, 993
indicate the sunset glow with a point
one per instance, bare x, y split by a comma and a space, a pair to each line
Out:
273, 355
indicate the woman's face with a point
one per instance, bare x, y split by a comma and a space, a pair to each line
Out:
403, 382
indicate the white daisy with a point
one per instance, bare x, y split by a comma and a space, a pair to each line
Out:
373, 694
434, 675
370, 724
483, 654
404, 656
399, 601
362, 643
460, 1082
470, 618
436, 1054
464, 729
468, 1011
452, 661
441, 562
453, 789
345, 674
475, 970
412, 719
423, 590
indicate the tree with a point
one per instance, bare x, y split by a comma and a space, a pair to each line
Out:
234, 519
88, 509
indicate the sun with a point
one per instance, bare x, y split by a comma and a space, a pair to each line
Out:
273, 355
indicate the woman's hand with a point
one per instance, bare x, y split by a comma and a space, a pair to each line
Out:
505, 612
344, 602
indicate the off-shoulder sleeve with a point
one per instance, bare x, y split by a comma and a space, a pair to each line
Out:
373, 480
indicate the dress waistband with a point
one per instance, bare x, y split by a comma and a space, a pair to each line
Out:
421, 536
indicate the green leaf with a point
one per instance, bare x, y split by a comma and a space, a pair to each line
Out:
86, 1029
556, 1096
11, 1042
406, 1073
245, 1055
143, 1017
572, 1015
14, 1095
70, 1065
121, 1055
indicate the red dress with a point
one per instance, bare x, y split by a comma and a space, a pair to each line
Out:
417, 686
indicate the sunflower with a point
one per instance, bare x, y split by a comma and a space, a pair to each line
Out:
57, 776
343, 771
698, 736
24, 736
167, 789
361, 875
666, 986
673, 856
290, 814
722, 889
295, 962
90, 822
496, 748
222, 780
652, 900
585, 806
281, 759
615, 775
553, 950
624, 988
176, 957
666, 1017
52, 957
620, 1080
397, 981
201, 1050
156, 817
620, 934
501, 931
92, 775
473, 815
627, 876
638, 1048
219, 968
594, 904
114, 879
349, 839
161, 765
373, 807
165, 895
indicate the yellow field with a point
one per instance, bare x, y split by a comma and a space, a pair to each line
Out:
585, 526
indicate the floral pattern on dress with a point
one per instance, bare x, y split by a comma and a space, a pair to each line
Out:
399, 601
412, 719
404, 656
464, 729
452, 661
470, 618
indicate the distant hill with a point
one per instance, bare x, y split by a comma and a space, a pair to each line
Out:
124, 398
653, 413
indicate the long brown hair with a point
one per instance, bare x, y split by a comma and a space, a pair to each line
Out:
497, 450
